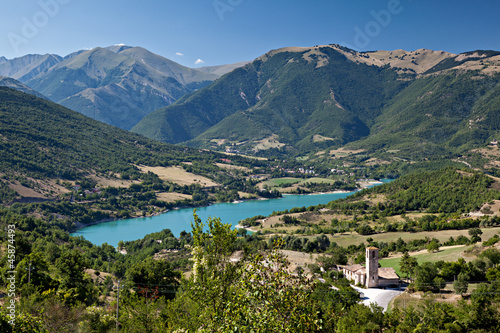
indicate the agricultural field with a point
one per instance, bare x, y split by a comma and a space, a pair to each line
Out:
446, 253
179, 176
354, 238
288, 184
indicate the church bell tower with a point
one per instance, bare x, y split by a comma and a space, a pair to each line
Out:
372, 267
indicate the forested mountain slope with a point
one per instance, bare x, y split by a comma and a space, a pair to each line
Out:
304, 99
43, 144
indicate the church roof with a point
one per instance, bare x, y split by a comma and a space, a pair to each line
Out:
387, 273
354, 268
372, 248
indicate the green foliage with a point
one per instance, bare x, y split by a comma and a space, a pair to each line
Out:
461, 284
475, 234
364, 229
74, 286
361, 319
269, 298
424, 276
213, 272
142, 314
408, 264
157, 273
492, 241
493, 254
97, 321
444, 191
433, 246
23, 322
440, 115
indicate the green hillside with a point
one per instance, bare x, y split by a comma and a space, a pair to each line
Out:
421, 103
44, 146
436, 114
449, 190
195, 113
289, 94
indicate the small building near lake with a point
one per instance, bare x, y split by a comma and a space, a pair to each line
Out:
371, 275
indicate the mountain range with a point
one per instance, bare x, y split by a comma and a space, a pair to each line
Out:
291, 100
117, 85
309, 98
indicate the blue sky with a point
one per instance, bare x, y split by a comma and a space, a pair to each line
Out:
213, 32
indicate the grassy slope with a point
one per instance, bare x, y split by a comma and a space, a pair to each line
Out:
42, 140
448, 254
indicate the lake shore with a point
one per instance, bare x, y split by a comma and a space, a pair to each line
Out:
180, 218
80, 226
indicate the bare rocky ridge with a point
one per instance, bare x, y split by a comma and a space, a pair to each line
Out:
418, 61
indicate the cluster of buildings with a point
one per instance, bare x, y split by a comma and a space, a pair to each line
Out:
304, 171
95, 190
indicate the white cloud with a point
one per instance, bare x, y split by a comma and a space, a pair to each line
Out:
199, 62
179, 54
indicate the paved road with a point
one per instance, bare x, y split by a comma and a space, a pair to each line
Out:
380, 297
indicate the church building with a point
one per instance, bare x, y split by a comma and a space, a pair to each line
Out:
371, 275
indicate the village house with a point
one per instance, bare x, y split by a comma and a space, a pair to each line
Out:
371, 275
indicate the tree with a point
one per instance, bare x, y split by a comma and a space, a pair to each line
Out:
364, 229
475, 234
424, 276
461, 284
254, 294
360, 258
361, 318
482, 295
433, 247
268, 298
439, 283
143, 314
155, 272
335, 257
323, 242
407, 264
34, 268
73, 283
210, 283
97, 320
493, 254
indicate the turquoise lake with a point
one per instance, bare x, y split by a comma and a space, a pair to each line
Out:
180, 219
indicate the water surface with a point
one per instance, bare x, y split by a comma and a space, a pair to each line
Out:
180, 219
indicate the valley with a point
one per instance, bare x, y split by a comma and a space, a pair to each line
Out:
318, 154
